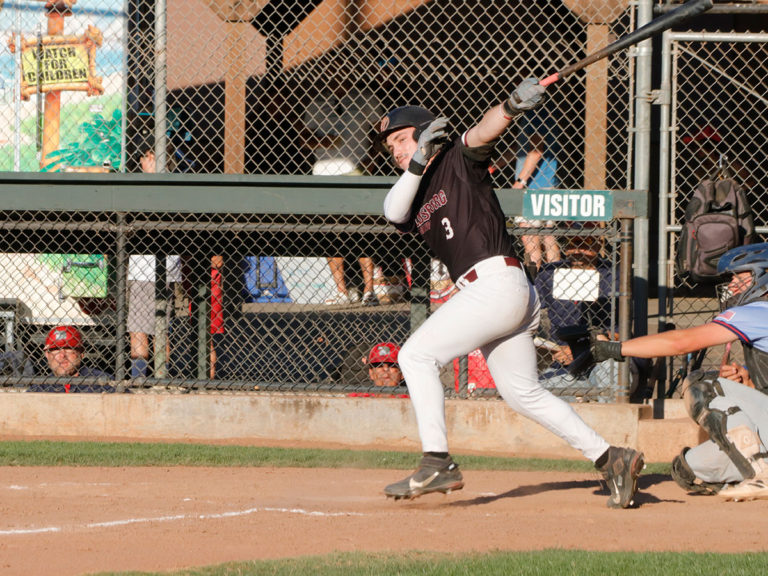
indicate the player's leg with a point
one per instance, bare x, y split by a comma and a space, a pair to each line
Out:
482, 311
485, 310
512, 363
716, 405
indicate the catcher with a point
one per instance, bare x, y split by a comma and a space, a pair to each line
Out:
732, 405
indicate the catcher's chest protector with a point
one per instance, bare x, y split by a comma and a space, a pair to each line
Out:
757, 364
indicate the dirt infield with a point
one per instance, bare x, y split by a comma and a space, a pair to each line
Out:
67, 521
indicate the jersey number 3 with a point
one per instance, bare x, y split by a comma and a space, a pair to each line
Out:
447, 227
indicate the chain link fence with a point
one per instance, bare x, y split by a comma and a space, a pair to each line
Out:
279, 87
287, 88
719, 101
225, 301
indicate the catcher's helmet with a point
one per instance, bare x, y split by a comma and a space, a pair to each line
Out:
64, 337
404, 117
750, 258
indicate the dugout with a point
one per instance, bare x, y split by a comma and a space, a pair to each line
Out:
274, 345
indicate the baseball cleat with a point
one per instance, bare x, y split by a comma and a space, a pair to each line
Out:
434, 474
752, 489
620, 473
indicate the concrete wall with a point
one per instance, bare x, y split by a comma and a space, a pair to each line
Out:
486, 426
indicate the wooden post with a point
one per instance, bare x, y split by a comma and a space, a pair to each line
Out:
52, 112
234, 98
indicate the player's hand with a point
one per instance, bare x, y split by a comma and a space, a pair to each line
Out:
430, 140
563, 355
736, 373
526, 96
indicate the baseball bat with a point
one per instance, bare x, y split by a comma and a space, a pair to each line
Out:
673, 17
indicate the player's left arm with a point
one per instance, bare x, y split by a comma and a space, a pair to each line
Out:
677, 342
526, 96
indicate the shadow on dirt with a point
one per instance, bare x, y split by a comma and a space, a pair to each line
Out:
642, 497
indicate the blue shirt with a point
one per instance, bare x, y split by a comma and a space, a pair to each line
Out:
539, 121
748, 322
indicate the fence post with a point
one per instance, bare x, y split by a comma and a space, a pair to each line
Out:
120, 297
625, 303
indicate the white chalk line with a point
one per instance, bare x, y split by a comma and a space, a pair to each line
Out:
173, 518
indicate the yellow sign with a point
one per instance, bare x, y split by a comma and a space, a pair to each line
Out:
52, 63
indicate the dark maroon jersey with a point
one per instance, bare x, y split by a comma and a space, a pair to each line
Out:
456, 210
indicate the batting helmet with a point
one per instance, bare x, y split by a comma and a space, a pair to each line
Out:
64, 337
404, 117
383, 353
750, 258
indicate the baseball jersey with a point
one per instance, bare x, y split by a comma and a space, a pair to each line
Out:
456, 210
748, 322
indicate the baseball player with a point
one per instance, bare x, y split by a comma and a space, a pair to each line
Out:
445, 194
731, 406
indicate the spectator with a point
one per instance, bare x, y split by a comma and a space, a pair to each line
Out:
579, 292
382, 367
64, 353
338, 126
537, 149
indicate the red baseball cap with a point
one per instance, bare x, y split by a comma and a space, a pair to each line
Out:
64, 337
706, 133
384, 352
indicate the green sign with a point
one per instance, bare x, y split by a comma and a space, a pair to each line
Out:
568, 204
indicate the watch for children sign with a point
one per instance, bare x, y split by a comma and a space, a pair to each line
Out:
51, 63
568, 204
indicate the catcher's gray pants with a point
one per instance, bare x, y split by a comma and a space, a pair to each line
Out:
498, 313
707, 461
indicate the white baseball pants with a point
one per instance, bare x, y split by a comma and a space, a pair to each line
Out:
498, 313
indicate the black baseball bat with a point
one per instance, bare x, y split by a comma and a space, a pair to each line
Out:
680, 14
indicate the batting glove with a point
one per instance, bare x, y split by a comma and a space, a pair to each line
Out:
430, 140
526, 96
607, 350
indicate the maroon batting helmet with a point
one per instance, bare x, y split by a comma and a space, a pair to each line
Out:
404, 117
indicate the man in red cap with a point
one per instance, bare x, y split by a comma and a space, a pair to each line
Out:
383, 368
64, 352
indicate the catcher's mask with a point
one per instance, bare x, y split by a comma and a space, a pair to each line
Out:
404, 117
751, 258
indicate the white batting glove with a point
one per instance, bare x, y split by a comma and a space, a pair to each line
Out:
430, 140
526, 96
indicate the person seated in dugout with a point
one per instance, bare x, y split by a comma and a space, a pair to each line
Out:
64, 353
576, 293
380, 363
383, 369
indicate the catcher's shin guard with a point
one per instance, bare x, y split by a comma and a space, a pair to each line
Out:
685, 477
699, 390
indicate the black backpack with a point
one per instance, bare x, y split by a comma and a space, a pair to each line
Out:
717, 218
